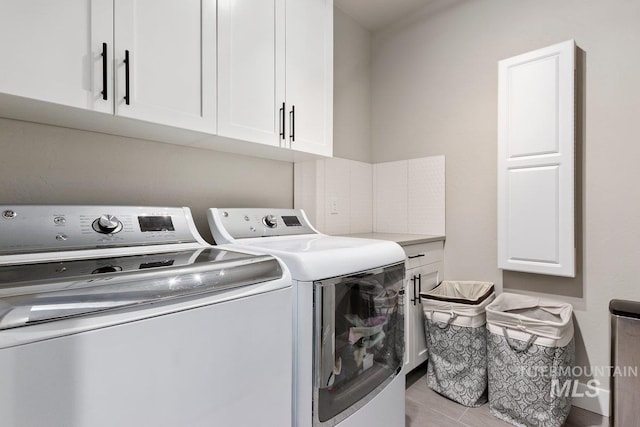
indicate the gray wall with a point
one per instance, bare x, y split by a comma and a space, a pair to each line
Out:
435, 92
352, 89
48, 164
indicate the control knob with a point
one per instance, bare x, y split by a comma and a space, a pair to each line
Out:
270, 221
107, 224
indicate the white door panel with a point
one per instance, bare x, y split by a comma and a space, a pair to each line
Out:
533, 108
419, 279
309, 71
251, 70
52, 51
533, 204
171, 47
428, 278
536, 149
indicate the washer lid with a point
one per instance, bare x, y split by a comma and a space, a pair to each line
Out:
317, 257
50, 291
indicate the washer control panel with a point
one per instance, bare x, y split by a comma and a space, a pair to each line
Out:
31, 228
247, 223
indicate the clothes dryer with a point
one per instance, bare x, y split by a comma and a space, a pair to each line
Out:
348, 315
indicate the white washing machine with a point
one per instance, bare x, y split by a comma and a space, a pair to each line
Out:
120, 316
348, 315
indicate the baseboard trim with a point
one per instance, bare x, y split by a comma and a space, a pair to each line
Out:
585, 399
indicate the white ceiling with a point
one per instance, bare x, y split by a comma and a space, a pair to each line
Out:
377, 14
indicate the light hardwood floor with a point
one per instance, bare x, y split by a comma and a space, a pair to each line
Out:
426, 408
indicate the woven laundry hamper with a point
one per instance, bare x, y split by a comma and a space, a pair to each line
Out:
456, 336
531, 357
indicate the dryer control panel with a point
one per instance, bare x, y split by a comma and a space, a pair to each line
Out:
230, 224
44, 228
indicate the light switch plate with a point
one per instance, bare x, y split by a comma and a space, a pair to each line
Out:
333, 205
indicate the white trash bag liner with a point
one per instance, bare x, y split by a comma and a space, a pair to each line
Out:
531, 357
456, 340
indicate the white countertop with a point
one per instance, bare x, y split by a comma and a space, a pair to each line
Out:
401, 239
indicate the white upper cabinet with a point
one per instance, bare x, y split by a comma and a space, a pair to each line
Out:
275, 73
536, 149
65, 52
310, 75
180, 71
169, 77
251, 70
53, 51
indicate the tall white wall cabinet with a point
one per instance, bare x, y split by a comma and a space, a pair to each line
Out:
536, 155
276, 73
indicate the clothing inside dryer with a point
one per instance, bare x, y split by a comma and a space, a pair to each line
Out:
369, 337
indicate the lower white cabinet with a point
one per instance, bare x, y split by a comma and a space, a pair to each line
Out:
424, 272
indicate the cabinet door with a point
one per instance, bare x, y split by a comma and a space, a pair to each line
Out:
309, 71
536, 161
419, 279
171, 62
251, 70
52, 51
